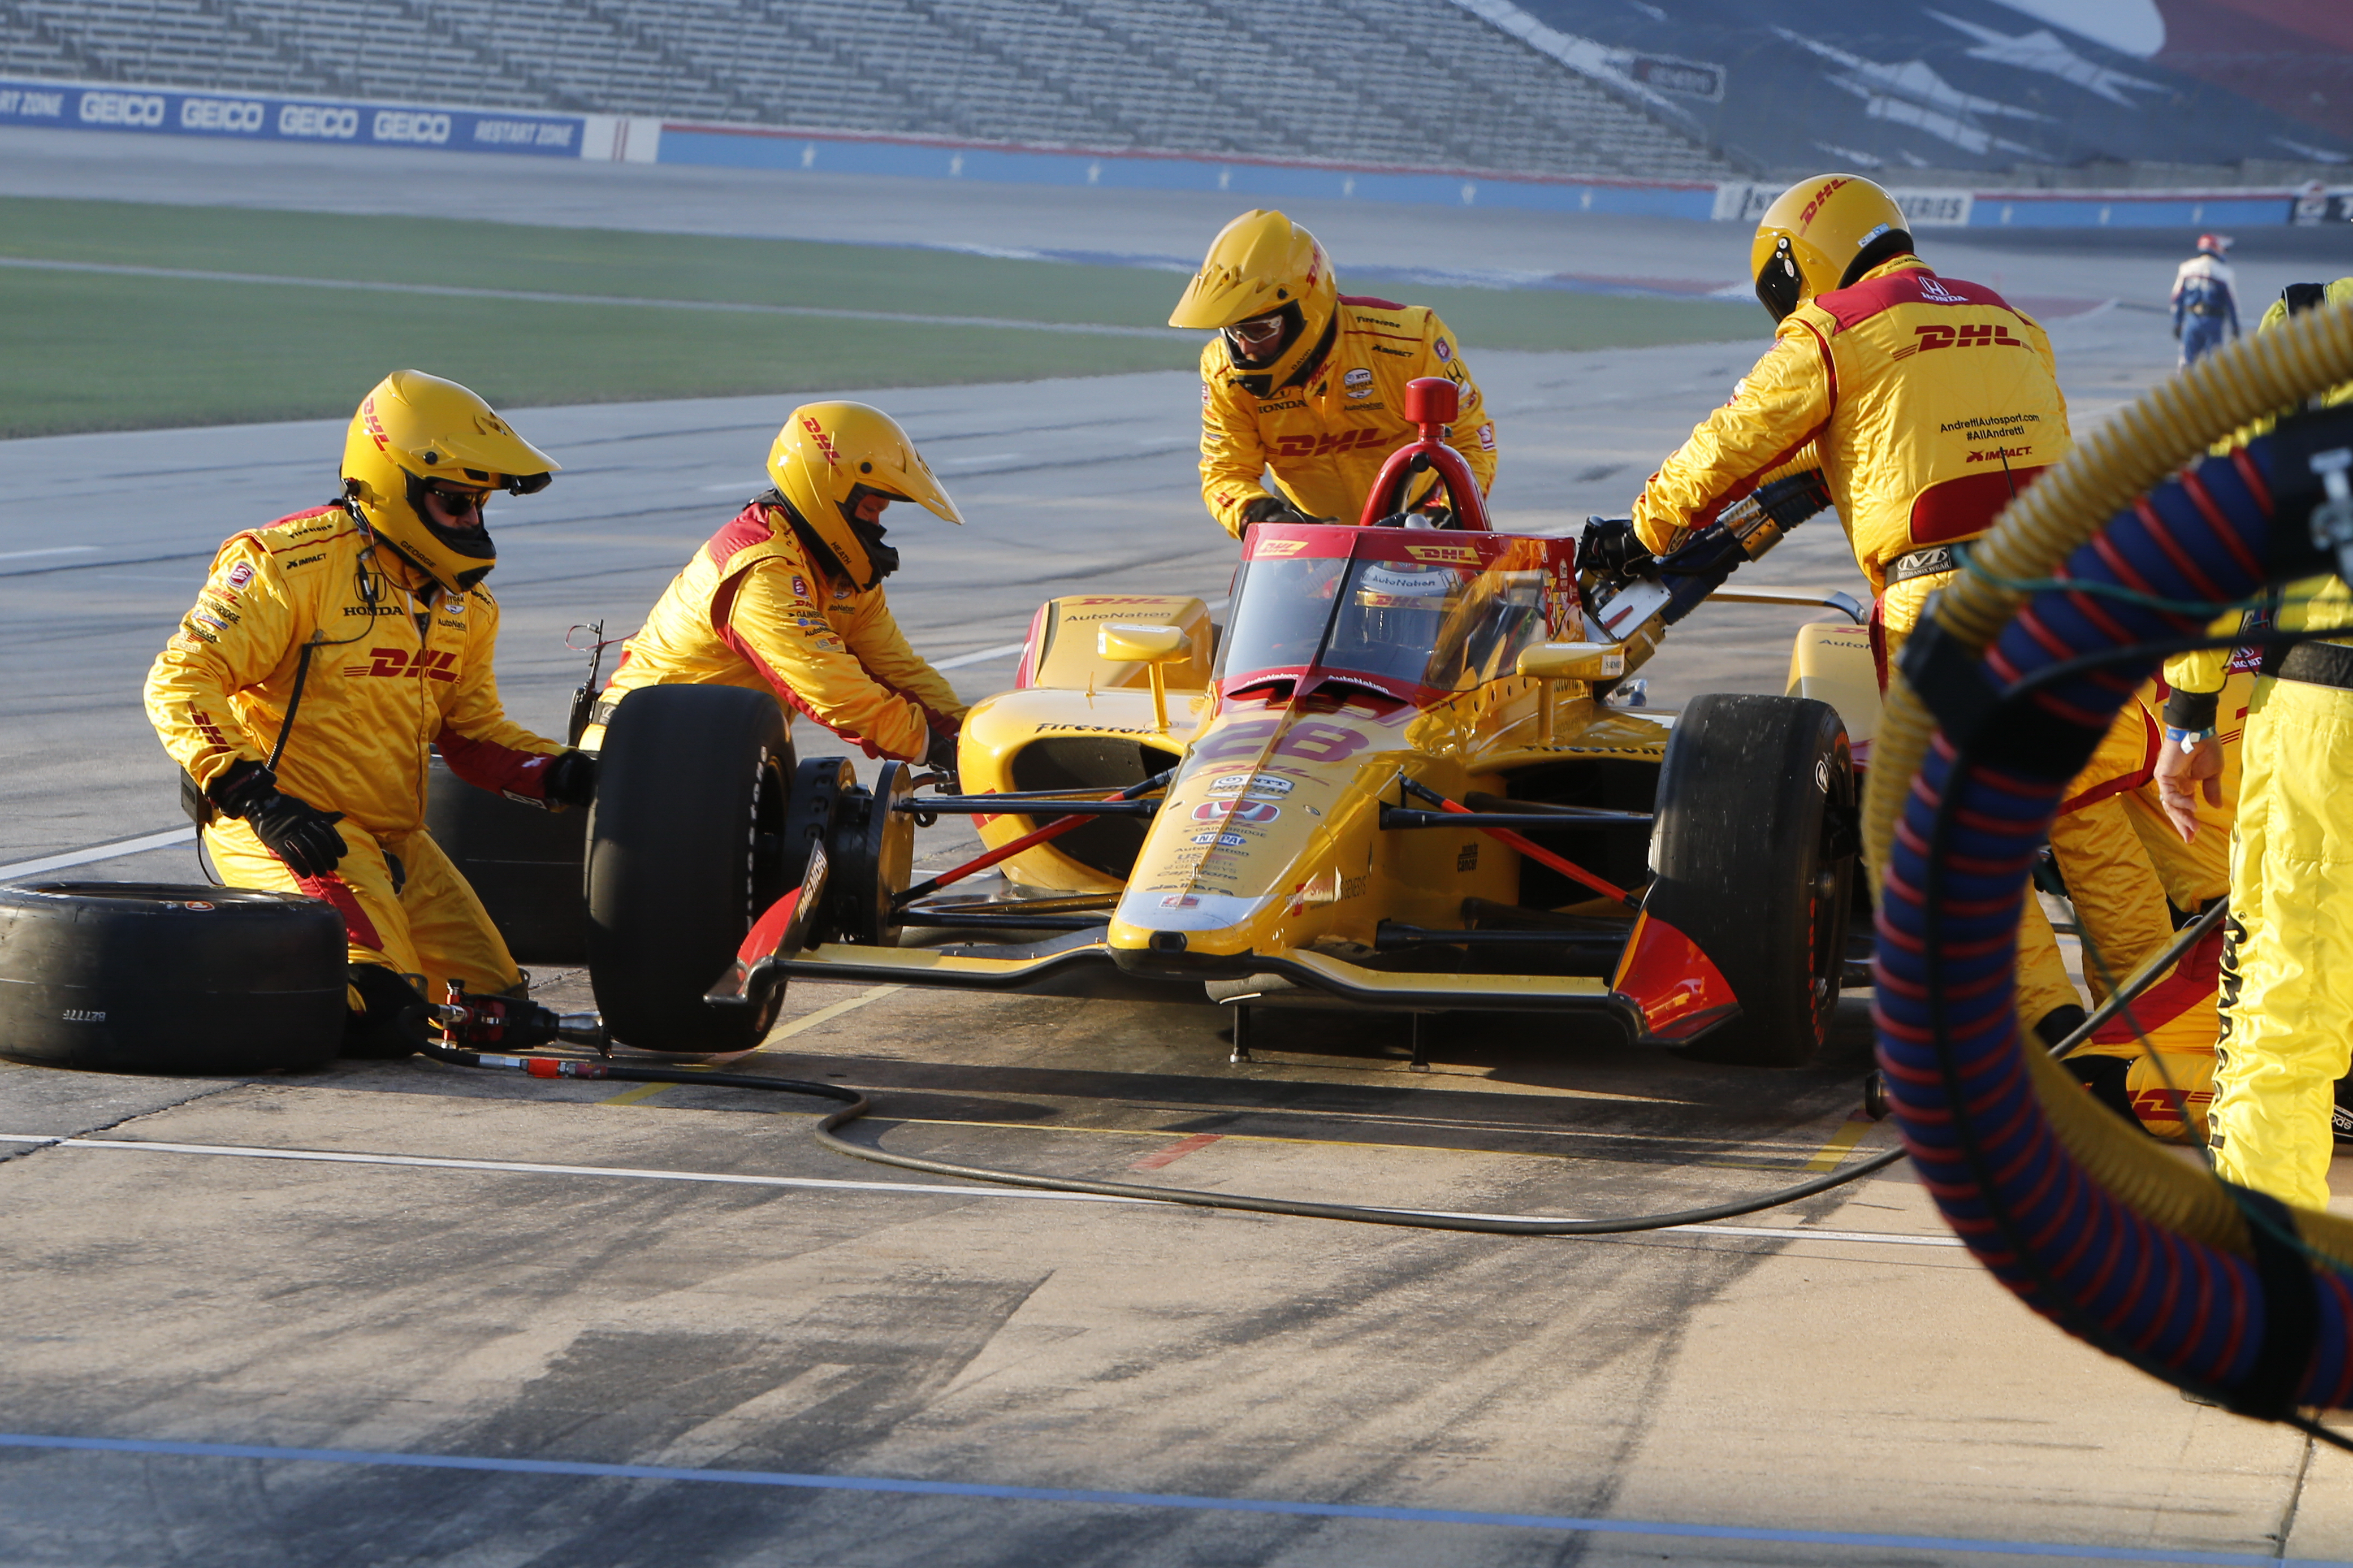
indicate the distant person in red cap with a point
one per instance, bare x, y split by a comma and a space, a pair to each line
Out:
2203, 301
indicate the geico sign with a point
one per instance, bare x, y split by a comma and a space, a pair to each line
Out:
316, 120
406, 125
122, 108
242, 116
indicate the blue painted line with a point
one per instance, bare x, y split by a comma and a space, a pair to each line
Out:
1556, 1522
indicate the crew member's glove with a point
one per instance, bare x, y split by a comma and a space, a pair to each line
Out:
1611, 547
295, 831
942, 760
1274, 509
571, 780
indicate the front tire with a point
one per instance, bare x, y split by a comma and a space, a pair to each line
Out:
1753, 855
685, 851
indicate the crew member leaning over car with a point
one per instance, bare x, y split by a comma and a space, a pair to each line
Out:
788, 598
327, 652
1310, 381
1931, 402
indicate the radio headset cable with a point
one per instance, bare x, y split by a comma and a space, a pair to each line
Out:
2099, 569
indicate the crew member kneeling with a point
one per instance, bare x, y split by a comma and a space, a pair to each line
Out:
328, 652
788, 598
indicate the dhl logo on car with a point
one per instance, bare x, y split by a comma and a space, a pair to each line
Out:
1276, 547
397, 661
1451, 555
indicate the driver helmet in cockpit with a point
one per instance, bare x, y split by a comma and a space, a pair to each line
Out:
1402, 605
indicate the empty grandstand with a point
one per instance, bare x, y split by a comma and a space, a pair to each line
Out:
1414, 83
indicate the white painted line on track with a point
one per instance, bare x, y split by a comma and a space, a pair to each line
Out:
53, 550
98, 852
1005, 651
537, 297
516, 1167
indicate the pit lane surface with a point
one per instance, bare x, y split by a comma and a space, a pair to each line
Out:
574, 1282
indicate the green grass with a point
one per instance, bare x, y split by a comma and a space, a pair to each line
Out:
93, 351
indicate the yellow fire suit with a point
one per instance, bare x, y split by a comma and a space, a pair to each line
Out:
752, 610
1327, 431
1930, 401
390, 675
2286, 1027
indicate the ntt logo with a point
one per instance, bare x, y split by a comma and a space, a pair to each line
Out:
236, 116
127, 109
317, 120
407, 125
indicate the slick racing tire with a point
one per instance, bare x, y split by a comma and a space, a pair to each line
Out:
1755, 848
526, 864
685, 850
141, 977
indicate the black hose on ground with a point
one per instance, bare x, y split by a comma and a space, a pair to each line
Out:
854, 1105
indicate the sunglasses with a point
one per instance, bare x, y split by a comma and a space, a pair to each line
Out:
456, 504
1257, 331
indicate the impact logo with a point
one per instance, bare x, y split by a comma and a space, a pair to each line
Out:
1974, 335
1997, 454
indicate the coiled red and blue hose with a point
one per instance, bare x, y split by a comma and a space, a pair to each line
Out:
2264, 1333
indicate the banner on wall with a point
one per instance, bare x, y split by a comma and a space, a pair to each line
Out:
258, 118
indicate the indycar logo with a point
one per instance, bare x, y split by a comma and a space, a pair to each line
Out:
1975, 335
1328, 443
1248, 811
396, 662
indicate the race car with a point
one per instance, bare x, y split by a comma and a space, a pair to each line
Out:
1394, 780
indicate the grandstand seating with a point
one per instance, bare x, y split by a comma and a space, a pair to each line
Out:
1414, 83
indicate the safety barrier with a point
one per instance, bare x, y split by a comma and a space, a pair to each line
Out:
254, 117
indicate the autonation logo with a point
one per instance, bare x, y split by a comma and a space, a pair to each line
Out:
410, 125
126, 109
316, 120
235, 116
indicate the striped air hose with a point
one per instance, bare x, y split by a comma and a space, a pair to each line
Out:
2004, 692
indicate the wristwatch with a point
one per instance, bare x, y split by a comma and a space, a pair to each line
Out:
2187, 738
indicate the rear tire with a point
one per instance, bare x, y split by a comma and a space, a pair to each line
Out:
526, 864
142, 977
685, 851
1753, 858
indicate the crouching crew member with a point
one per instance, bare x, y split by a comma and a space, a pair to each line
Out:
1931, 402
788, 598
1309, 381
326, 654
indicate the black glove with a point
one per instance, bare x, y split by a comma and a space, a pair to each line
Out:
1274, 509
571, 780
1611, 547
942, 760
294, 830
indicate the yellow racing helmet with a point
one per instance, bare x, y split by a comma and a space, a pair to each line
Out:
414, 430
1263, 264
1823, 234
828, 459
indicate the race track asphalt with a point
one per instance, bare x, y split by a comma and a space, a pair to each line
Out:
435, 1336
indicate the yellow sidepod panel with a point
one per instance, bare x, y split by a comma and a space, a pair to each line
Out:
1105, 739
1063, 652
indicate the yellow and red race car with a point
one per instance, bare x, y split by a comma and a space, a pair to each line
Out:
1393, 781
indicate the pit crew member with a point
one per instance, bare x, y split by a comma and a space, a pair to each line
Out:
327, 652
788, 598
1930, 401
2203, 300
1309, 381
2287, 962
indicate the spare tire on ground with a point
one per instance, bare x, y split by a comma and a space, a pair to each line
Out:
528, 865
147, 977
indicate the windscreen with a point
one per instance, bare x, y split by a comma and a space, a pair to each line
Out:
1405, 613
